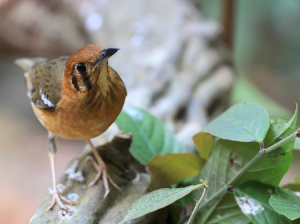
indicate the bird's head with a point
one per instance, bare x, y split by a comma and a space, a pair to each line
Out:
86, 69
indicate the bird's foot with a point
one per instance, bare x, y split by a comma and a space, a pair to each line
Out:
101, 170
57, 198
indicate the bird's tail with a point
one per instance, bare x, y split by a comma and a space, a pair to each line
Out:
27, 64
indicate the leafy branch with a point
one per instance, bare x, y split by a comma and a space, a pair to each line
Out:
261, 152
249, 157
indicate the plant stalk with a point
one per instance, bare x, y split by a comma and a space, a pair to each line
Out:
198, 204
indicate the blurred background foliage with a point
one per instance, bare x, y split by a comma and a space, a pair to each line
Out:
266, 51
266, 56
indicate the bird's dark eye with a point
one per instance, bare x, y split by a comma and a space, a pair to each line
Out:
81, 68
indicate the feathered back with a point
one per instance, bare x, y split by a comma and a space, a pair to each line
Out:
43, 79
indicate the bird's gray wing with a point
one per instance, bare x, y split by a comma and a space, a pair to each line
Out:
44, 80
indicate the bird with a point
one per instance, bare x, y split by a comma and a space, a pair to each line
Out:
75, 97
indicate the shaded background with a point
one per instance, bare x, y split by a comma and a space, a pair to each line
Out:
266, 45
266, 54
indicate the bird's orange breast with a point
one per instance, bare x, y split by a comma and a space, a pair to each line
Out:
73, 119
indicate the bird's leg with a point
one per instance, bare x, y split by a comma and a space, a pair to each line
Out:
56, 197
100, 167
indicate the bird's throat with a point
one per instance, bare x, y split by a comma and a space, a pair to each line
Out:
104, 80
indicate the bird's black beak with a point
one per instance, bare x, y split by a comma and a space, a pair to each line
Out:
108, 52
104, 55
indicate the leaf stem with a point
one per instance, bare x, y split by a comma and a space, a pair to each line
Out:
261, 152
205, 187
282, 142
210, 210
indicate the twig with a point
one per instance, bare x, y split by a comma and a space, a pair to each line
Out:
198, 204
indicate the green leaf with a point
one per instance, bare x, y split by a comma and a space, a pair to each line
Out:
280, 129
183, 202
253, 199
157, 200
226, 211
242, 122
226, 160
269, 169
229, 157
150, 136
203, 142
170, 168
218, 169
286, 203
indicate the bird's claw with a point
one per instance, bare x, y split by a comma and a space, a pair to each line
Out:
57, 198
101, 171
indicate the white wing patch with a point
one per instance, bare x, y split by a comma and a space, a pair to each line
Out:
25, 76
45, 100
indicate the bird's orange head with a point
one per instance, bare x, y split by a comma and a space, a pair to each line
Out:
86, 69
